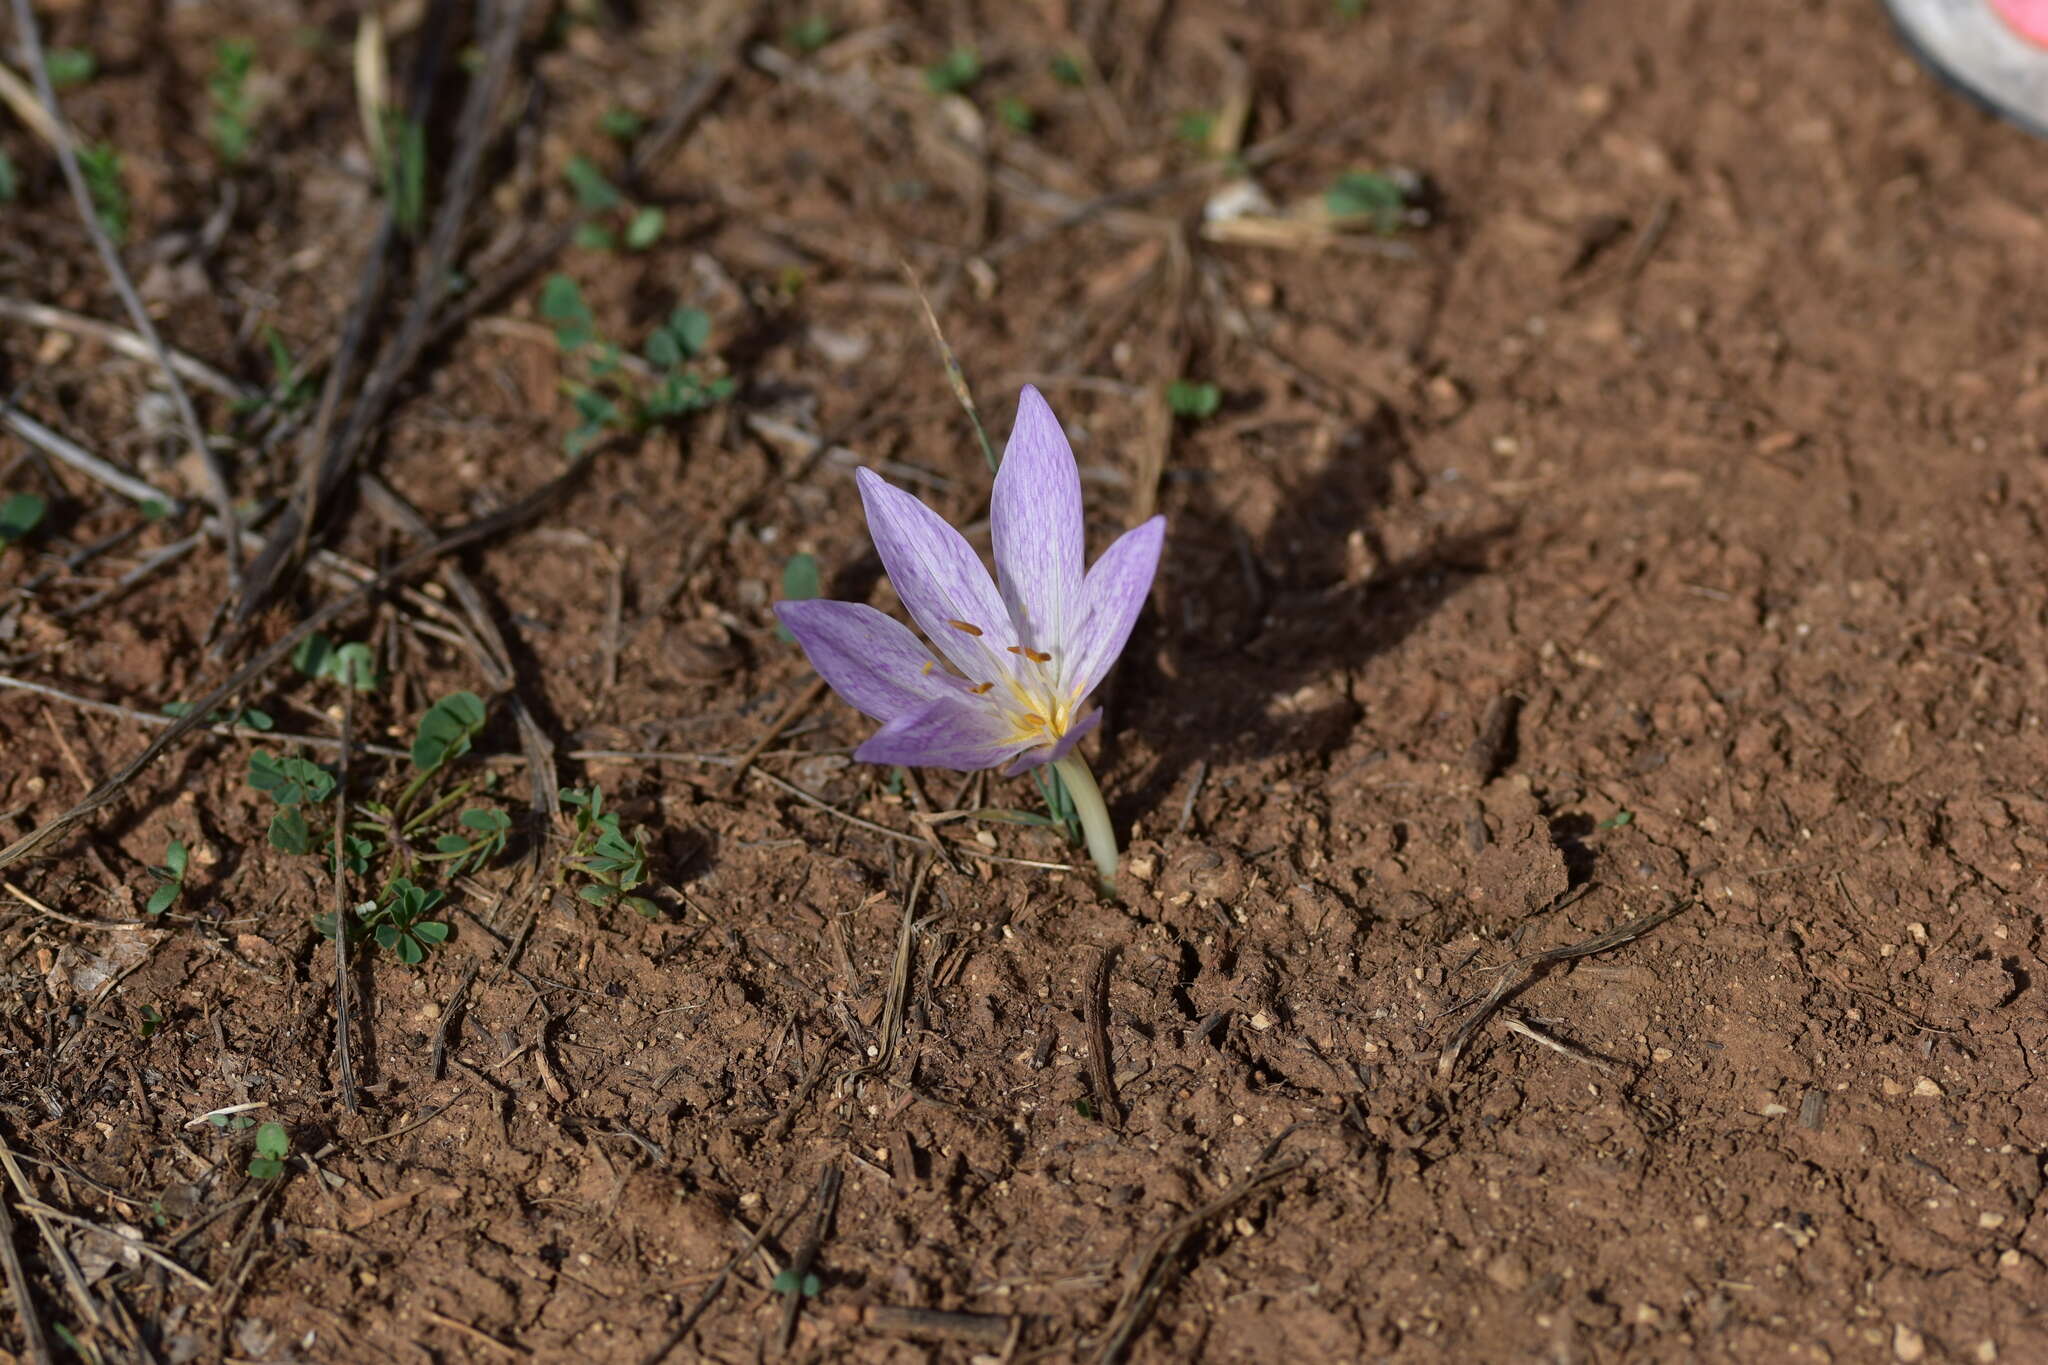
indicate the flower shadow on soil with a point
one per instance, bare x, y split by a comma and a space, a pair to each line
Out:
1260, 641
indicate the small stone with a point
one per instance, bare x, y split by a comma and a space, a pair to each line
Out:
1990, 1220
1508, 1270
1907, 1344
1261, 1021
1893, 1088
1987, 1351
1143, 868
1926, 1089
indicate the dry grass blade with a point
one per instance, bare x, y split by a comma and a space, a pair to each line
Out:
1101, 1071
89, 1308
32, 1330
84, 461
121, 340
1532, 966
807, 1254
81, 194
1149, 1283
899, 979
324, 464
344, 1055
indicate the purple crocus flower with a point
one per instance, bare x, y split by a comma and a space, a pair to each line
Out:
1006, 680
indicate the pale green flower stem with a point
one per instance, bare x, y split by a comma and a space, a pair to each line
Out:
1094, 815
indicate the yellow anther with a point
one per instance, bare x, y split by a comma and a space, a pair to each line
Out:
1037, 656
967, 626
981, 689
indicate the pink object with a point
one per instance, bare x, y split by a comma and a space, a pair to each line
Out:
2028, 18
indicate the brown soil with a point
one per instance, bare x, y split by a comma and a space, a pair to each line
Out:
1659, 525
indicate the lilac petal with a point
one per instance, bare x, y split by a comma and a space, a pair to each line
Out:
956, 731
1111, 597
871, 660
941, 581
1035, 517
1035, 758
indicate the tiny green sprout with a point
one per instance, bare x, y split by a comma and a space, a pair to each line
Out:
148, 1022
405, 171
69, 66
230, 1122
621, 123
787, 1281
10, 180
248, 718
446, 730
1066, 70
351, 665
1349, 9
228, 90
800, 583
594, 193
1016, 114
601, 852
562, 307
290, 781
101, 166
954, 72
809, 34
645, 228
400, 924
20, 514
273, 1148
290, 388
1195, 401
1376, 198
484, 839
1618, 820
1195, 128
171, 879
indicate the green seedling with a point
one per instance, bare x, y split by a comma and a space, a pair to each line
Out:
69, 66
1196, 128
1194, 401
609, 218
621, 123
1375, 199
801, 582
1067, 71
604, 393
405, 171
170, 879
808, 35
248, 718
228, 91
149, 1021
1015, 113
787, 1281
482, 838
953, 73
446, 730
273, 1149
351, 665
20, 514
100, 164
400, 923
613, 864
294, 783
1618, 820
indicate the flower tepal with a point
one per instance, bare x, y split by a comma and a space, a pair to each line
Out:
1012, 660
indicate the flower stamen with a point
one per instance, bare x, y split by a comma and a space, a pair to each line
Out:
1037, 656
981, 689
966, 626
